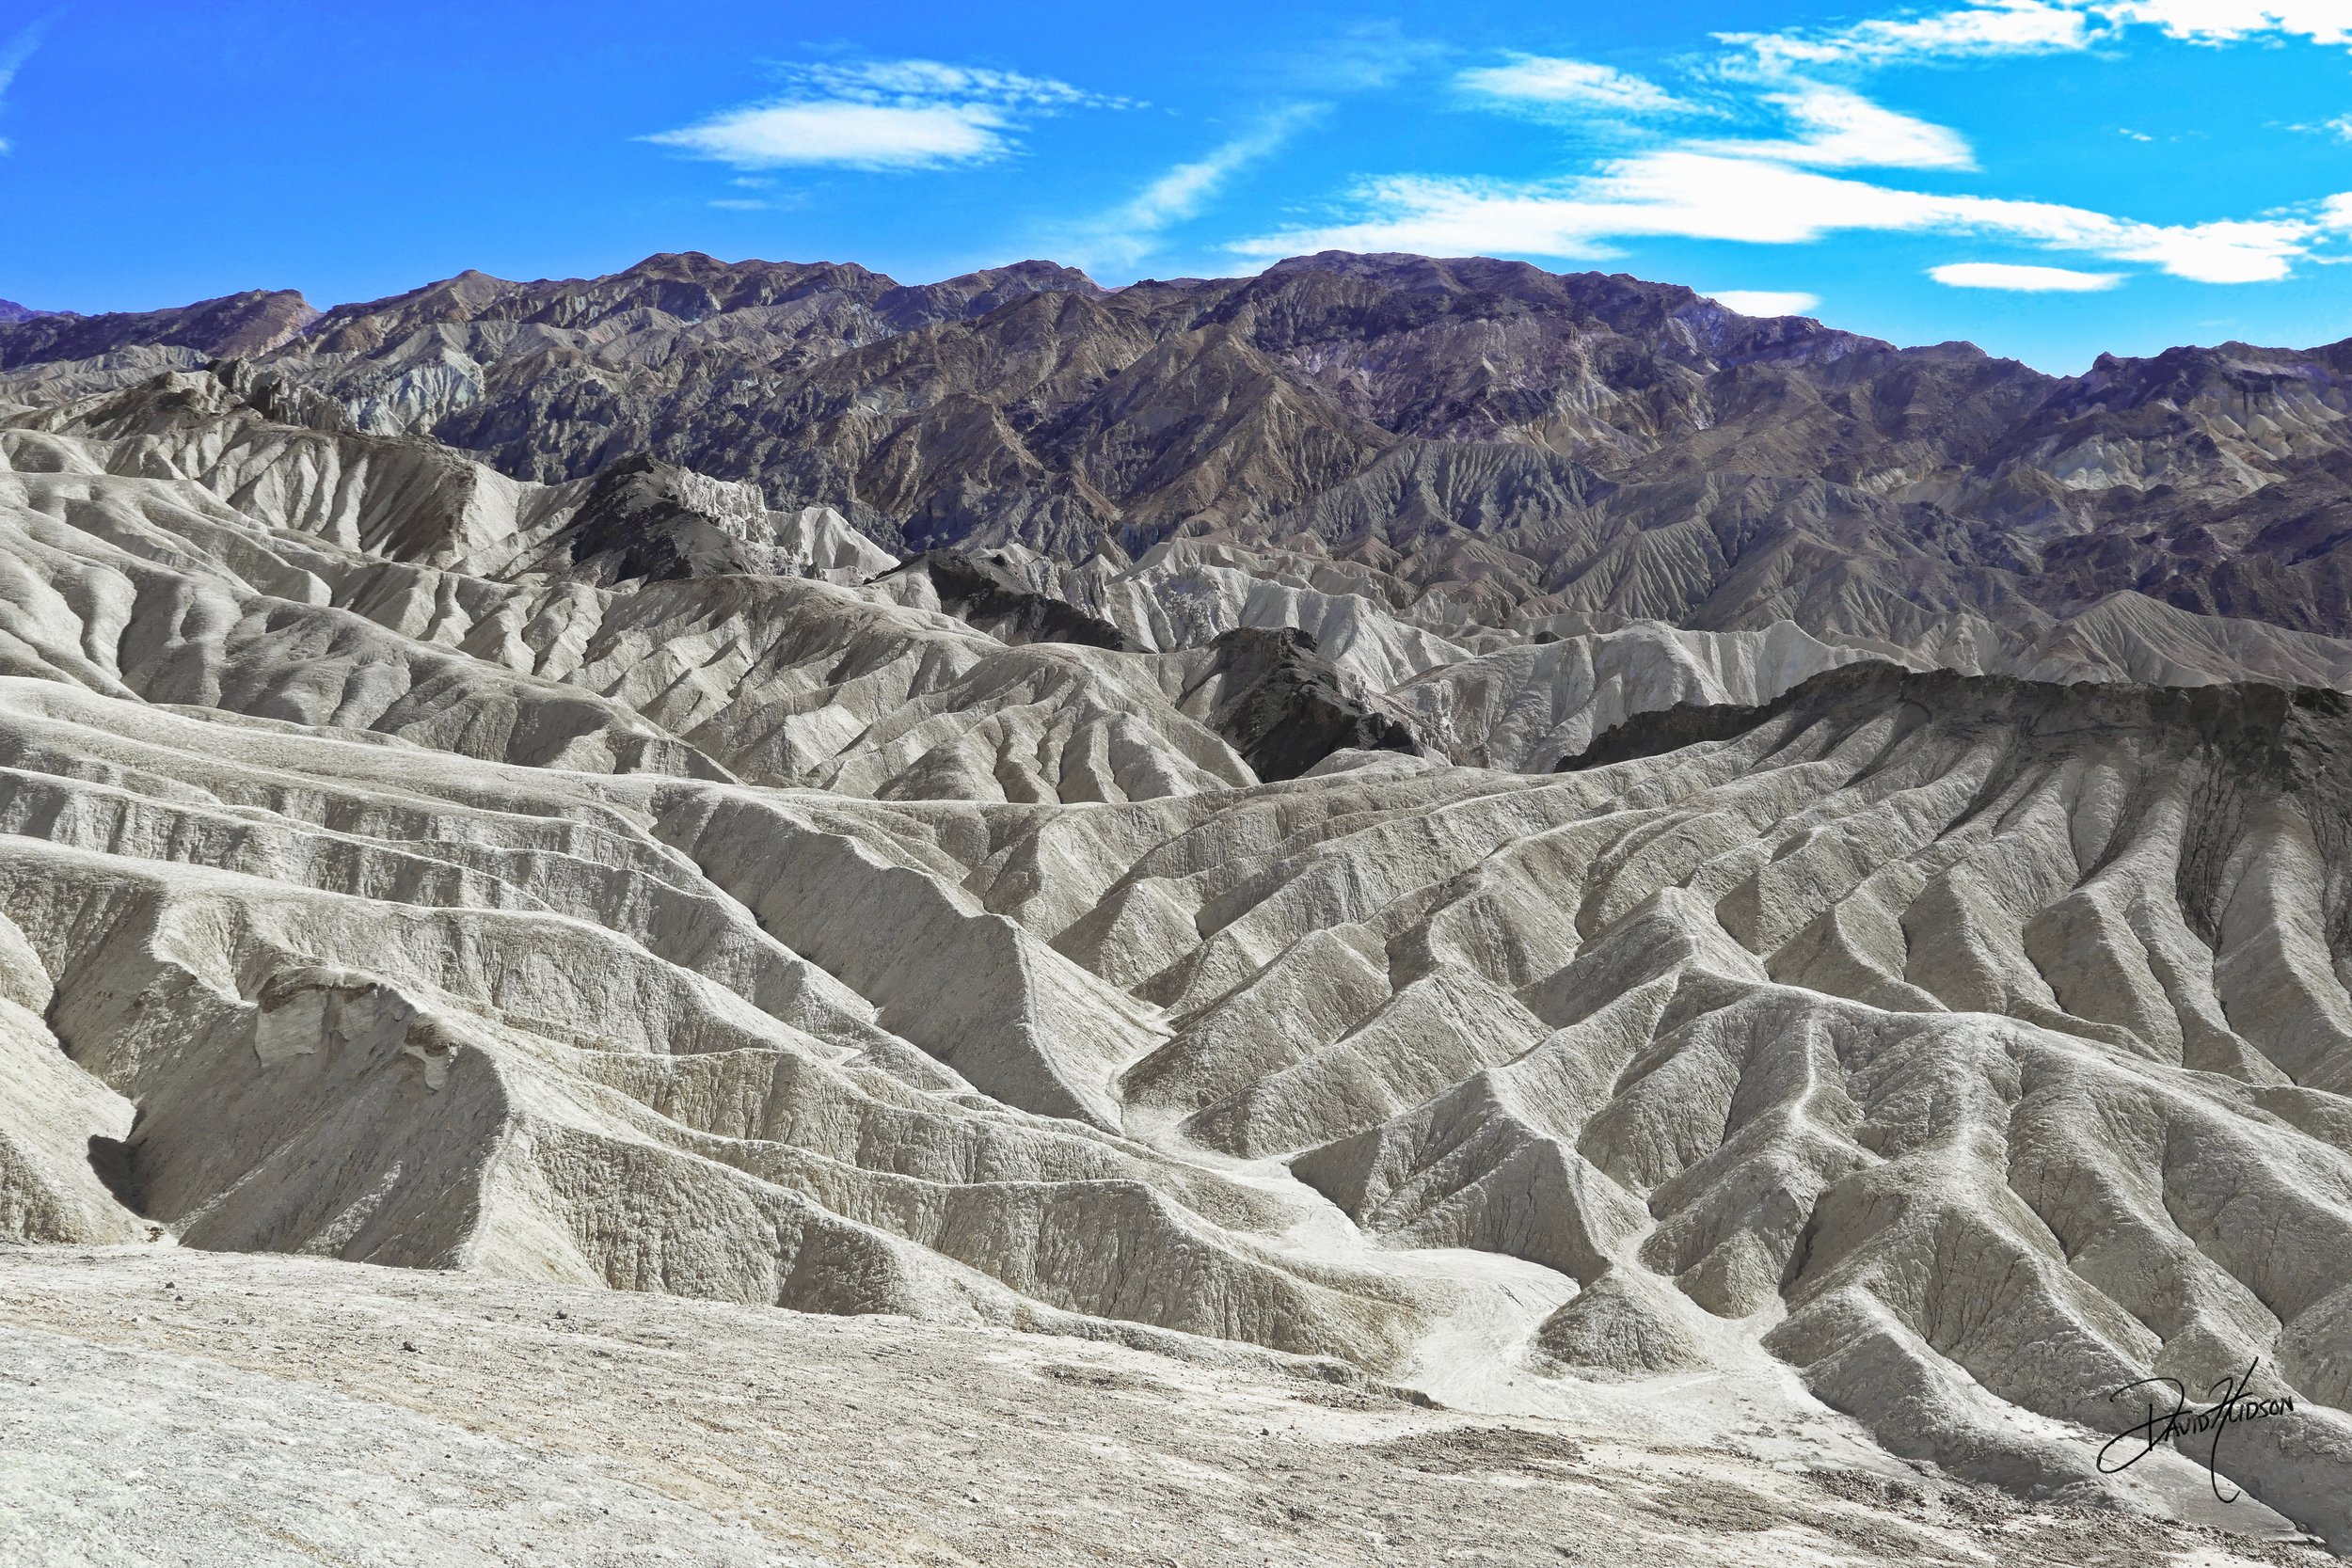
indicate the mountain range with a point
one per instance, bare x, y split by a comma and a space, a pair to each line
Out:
1502, 445
1472, 835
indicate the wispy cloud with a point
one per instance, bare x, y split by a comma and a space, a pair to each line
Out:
1781, 189
2023, 279
774, 201
1547, 81
1767, 302
2007, 27
14, 53
1994, 27
1692, 195
1121, 238
1362, 58
860, 135
884, 81
18, 50
889, 114
1840, 129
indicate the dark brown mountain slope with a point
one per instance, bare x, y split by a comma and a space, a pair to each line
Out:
254, 322
1526, 444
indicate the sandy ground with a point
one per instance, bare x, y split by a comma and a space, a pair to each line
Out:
174, 1407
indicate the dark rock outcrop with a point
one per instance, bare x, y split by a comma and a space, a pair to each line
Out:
1284, 708
972, 588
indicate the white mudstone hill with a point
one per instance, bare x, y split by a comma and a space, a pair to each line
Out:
625, 884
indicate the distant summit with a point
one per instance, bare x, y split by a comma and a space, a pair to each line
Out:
253, 322
1587, 447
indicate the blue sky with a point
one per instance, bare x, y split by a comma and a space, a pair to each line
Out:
2045, 178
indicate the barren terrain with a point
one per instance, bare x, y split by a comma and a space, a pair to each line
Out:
1781, 945
209, 1409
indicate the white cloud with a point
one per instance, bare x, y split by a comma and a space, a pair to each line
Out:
1835, 126
1130, 231
2006, 27
862, 135
2040, 26
883, 115
1696, 195
2023, 279
1767, 302
1782, 191
13, 55
1541, 79
2341, 125
2227, 21
1840, 129
1790, 189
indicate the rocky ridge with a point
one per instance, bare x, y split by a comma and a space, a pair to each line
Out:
1528, 443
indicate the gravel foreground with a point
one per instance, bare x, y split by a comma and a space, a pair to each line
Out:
173, 1407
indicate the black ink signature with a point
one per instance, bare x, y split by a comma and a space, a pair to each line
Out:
2185, 1420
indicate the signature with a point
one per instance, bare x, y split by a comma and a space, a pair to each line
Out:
2184, 1419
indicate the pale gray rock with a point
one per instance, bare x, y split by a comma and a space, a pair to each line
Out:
223, 1411
349, 581
1626, 1322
